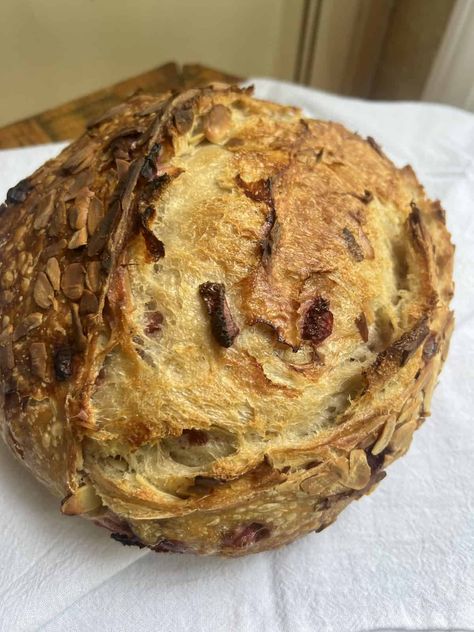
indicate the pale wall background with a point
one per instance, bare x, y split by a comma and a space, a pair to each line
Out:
54, 50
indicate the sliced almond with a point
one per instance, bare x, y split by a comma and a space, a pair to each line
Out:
39, 359
96, 213
402, 437
78, 213
316, 484
78, 217
83, 500
53, 272
8, 279
89, 303
7, 359
24, 284
72, 281
30, 322
81, 156
359, 470
44, 210
43, 292
122, 167
55, 248
79, 337
93, 276
78, 239
385, 436
58, 220
217, 123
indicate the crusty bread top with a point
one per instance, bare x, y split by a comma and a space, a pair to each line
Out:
205, 286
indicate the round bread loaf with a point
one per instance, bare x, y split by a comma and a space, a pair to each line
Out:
220, 321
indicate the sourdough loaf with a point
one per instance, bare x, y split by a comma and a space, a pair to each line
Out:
220, 321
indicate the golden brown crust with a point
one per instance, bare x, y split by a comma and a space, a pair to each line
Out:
220, 322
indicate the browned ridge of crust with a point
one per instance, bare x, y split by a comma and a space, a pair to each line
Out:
220, 322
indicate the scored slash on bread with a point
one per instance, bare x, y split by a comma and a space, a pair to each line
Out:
220, 322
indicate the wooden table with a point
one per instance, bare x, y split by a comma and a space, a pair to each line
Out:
67, 121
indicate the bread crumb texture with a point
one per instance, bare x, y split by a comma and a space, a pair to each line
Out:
220, 321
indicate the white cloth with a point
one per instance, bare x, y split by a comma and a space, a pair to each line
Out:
401, 559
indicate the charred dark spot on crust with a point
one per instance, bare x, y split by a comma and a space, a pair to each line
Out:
416, 227
170, 546
373, 143
127, 540
223, 326
19, 193
409, 342
311, 464
267, 243
154, 323
405, 347
208, 481
246, 535
204, 485
154, 245
148, 170
261, 191
258, 191
439, 211
153, 188
352, 245
183, 119
62, 361
430, 347
147, 214
361, 324
195, 436
366, 198
318, 321
325, 525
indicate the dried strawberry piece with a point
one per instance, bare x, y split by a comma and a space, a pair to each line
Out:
258, 191
154, 323
127, 540
246, 535
318, 321
223, 326
195, 436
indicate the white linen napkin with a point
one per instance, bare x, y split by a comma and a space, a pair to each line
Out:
401, 559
